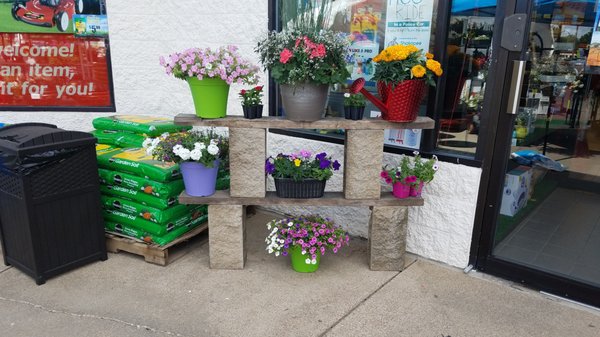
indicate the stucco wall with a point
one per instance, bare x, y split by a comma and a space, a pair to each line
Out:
141, 31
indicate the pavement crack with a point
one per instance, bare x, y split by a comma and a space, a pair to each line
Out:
105, 318
359, 304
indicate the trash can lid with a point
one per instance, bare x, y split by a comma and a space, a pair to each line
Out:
36, 137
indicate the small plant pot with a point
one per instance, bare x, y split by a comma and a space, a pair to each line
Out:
199, 180
400, 190
304, 189
416, 190
252, 111
354, 112
299, 261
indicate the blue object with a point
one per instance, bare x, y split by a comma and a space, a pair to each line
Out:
531, 158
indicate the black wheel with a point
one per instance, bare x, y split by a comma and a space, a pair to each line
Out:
14, 10
61, 19
79, 6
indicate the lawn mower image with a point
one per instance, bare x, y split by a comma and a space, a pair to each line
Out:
47, 13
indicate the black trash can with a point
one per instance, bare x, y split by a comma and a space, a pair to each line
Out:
50, 210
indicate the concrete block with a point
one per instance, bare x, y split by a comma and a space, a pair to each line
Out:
387, 238
247, 154
362, 164
226, 236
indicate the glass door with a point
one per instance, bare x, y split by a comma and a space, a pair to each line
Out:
541, 225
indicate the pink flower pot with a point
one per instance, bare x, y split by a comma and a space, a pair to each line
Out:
415, 190
400, 190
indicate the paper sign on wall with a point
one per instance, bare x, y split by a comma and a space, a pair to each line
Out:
409, 22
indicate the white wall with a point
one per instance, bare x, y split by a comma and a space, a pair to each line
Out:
141, 31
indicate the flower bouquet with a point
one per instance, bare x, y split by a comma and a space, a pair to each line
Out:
305, 58
402, 74
252, 102
209, 74
299, 175
305, 239
198, 155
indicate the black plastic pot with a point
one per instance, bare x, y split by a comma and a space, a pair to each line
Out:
253, 111
309, 188
354, 112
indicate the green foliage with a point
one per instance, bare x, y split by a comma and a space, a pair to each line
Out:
199, 146
354, 100
252, 97
301, 166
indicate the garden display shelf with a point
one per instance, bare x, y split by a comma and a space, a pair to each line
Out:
363, 157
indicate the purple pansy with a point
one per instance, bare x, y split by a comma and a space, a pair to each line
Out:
324, 163
336, 165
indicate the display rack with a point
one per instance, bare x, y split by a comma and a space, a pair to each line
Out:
363, 156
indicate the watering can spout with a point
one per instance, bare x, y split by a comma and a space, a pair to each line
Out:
359, 86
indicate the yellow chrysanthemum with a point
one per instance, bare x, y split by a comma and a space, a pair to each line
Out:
418, 71
434, 66
429, 56
297, 162
395, 53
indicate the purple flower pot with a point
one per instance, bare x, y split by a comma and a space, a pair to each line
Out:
415, 190
199, 180
400, 190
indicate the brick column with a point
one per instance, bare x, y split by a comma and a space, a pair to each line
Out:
362, 164
247, 154
226, 236
387, 238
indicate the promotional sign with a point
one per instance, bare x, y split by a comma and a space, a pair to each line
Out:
593, 59
409, 22
44, 65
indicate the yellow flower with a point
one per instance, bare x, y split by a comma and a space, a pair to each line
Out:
418, 71
297, 162
429, 56
434, 66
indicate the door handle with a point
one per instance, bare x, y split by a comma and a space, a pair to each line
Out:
516, 84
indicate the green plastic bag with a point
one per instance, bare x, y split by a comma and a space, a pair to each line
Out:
160, 240
139, 197
137, 162
147, 226
150, 126
150, 213
119, 138
132, 182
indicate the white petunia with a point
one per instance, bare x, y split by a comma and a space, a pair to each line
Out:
150, 150
184, 154
155, 141
313, 261
290, 224
347, 95
177, 148
435, 167
196, 154
199, 146
303, 252
213, 149
307, 261
165, 135
276, 253
270, 251
208, 66
147, 143
269, 226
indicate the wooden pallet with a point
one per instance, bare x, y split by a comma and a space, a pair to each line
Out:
152, 253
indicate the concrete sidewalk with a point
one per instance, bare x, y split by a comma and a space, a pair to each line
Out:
126, 296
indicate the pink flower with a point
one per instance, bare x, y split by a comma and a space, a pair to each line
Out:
410, 179
384, 174
285, 55
318, 51
388, 180
305, 154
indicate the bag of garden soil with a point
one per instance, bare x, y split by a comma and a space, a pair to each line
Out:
150, 213
119, 138
160, 240
132, 182
137, 162
147, 226
139, 197
143, 125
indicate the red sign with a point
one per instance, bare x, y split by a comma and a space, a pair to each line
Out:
53, 70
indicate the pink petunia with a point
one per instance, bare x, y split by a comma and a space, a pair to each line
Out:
388, 180
384, 174
285, 55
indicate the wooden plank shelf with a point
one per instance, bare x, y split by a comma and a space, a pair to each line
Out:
329, 199
282, 123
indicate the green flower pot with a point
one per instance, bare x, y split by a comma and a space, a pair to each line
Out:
210, 97
299, 261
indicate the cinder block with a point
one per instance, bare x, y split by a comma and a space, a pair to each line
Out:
362, 164
387, 238
226, 236
247, 154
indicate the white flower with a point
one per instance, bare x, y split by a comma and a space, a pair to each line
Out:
199, 146
147, 142
269, 226
155, 141
214, 141
270, 251
165, 135
184, 154
313, 261
435, 167
303, 252
434, 157
208, 66
276, 253
307, 261
290, 224
150, 150
213, 149
177, 148
196, 154
347, 95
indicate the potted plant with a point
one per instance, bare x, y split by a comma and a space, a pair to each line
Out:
402, 74
424, 170
252, 102
209, 74
198, 155
305, 58
305, 239
299, 175
354, 106
408, 178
